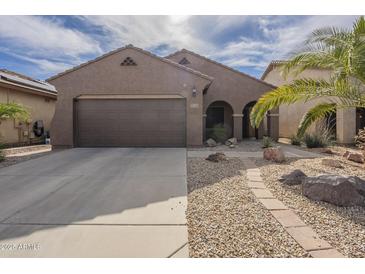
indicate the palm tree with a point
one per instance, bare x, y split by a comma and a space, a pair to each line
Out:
13, 111
342, 51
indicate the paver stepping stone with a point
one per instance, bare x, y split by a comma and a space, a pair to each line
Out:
252, 184
272, 204
287, 218
262, 193
255, 178
326, 253
307, 238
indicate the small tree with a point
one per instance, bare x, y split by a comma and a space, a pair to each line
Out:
13, 111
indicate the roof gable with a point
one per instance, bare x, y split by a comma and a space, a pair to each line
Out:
170, 62
221, 65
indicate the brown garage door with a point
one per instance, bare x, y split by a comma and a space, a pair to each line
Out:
130, 123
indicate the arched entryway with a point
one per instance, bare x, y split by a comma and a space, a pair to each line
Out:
219, 121
360, 119
247, 130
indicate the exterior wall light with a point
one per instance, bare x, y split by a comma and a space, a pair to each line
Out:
194, 91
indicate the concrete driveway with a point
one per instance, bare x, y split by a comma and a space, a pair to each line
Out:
95, 202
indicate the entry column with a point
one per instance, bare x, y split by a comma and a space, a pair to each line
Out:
346, 125
237, 126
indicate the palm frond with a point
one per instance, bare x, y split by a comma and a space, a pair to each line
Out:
359, 26
319, 111
299, 90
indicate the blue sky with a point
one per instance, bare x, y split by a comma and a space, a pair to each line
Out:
41, 46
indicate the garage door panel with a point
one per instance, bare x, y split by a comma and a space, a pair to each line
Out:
128, 122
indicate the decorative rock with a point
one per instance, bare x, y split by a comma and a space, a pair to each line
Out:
356, 157
211, 143
327, 150
296, 177
217, 157
335, 189
332, 163
231, 141
274, 154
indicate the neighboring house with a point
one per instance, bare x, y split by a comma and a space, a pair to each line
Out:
38, 97
131, 97
347, 121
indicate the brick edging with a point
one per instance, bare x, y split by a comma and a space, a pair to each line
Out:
303, 234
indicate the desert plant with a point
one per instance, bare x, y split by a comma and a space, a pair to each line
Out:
295, 140
342, 51
321, 137
218, 133
360, 139
267, 142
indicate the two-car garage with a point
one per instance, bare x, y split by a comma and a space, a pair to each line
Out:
130, 121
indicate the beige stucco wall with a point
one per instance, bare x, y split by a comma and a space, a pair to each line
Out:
40, 108
291, 115
107, 76
229, 86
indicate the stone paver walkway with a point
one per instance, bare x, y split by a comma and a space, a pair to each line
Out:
304, 235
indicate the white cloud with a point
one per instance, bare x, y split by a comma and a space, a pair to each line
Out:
280, 37
147, 31
48, 37
238, 41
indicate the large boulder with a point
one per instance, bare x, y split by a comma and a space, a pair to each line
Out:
296, 177
217, 157
275, 154
211, 143
356, 157
335, 189
332, 163
231, 141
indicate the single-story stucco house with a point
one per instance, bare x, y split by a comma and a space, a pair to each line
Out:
131, 97
346, 122
38, 97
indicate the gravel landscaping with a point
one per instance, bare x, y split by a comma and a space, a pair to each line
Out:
244, 146
342, 227
226, 220
9, 161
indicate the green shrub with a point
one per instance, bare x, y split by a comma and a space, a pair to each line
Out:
295, 140
267, 142
218, 133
